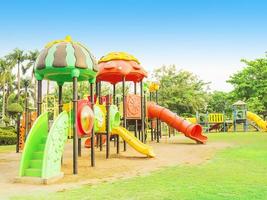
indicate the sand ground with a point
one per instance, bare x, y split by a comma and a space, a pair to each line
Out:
169, 152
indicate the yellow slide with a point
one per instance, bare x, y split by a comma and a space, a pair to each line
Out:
133, 141
259, 121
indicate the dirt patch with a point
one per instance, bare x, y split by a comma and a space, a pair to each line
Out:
169, 152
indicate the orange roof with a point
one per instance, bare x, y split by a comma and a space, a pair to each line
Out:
116, 65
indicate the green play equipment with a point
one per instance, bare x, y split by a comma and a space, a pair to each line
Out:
43, 150
240, 115
60, 61
212, 121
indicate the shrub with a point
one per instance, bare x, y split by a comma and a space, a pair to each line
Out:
14, 108
8, 128
6, 120
7, 136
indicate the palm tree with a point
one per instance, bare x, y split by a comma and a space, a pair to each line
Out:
17, 57
32, 57
5, 75
10, 83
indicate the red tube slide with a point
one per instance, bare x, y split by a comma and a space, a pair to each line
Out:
193, 131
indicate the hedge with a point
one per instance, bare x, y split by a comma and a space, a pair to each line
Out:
7, 136
7, 128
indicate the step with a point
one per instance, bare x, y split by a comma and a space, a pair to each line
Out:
36, 164
37, 155
33, 172
41, 147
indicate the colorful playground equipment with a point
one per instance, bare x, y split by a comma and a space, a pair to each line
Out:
240, 117
96, 117
49, 105
43, 149
192, 131
118, 67
211, 121
257, 120
61, 61
23, 123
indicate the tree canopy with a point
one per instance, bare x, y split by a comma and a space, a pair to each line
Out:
250, 84
181, 91
220, 102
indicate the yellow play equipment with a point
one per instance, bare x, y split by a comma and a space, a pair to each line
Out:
154, 86
193, 120
133, 141
216, 118
100, 126
126, 135
257, 120
99, 123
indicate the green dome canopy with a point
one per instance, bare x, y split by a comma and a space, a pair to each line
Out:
61, 60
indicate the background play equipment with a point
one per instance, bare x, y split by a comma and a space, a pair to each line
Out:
240, 115
193, 131
155, 124
213, 121
43, 151
193, 120
257, 120
241, 120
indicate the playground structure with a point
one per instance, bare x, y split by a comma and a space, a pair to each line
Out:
240, 117
60, 61
24, 126
30, 116
192, 131
96, 117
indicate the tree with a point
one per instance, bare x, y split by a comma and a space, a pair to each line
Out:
14, 108
5, 75
17, 57
181, 91
250, 83
220, 102
254, 104
32, 57
27, 82
30, 90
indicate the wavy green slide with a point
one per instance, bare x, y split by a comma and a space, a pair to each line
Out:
43, 151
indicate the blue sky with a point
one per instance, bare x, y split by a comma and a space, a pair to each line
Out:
206, 37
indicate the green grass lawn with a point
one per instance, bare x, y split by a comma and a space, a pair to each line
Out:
239, 172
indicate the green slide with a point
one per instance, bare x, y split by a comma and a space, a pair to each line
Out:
43, 151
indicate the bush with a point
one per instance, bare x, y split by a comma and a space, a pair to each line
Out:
7, 128
7, 136
6, 120
14, 108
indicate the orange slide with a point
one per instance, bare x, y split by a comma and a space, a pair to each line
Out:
193, 131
